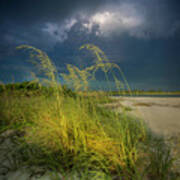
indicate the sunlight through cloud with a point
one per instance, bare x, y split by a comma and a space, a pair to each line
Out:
118, 21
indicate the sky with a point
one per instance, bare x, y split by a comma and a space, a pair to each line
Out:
141, 36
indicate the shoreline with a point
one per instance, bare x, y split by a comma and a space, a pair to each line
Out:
162, 114
148, 95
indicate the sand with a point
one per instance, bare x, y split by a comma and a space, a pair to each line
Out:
161, 114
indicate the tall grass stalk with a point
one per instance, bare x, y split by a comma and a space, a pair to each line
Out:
74, 133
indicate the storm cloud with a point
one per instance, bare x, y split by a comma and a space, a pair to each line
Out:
142, 19
137, 34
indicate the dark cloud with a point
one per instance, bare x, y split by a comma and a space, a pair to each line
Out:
33, 11
24, 21
141, 19
162, 18
141, 36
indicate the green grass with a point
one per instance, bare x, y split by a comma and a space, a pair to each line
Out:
82, 136
72, 134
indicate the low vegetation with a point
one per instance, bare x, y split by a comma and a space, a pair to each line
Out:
66, 131
146, 93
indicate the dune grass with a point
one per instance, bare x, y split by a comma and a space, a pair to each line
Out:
74, 134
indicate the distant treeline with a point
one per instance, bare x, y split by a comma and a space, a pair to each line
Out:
34, 88
28, 85
31, 87
145, 92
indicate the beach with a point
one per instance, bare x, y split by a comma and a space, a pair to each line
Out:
162, 114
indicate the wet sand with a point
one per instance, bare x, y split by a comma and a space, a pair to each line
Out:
161, 114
